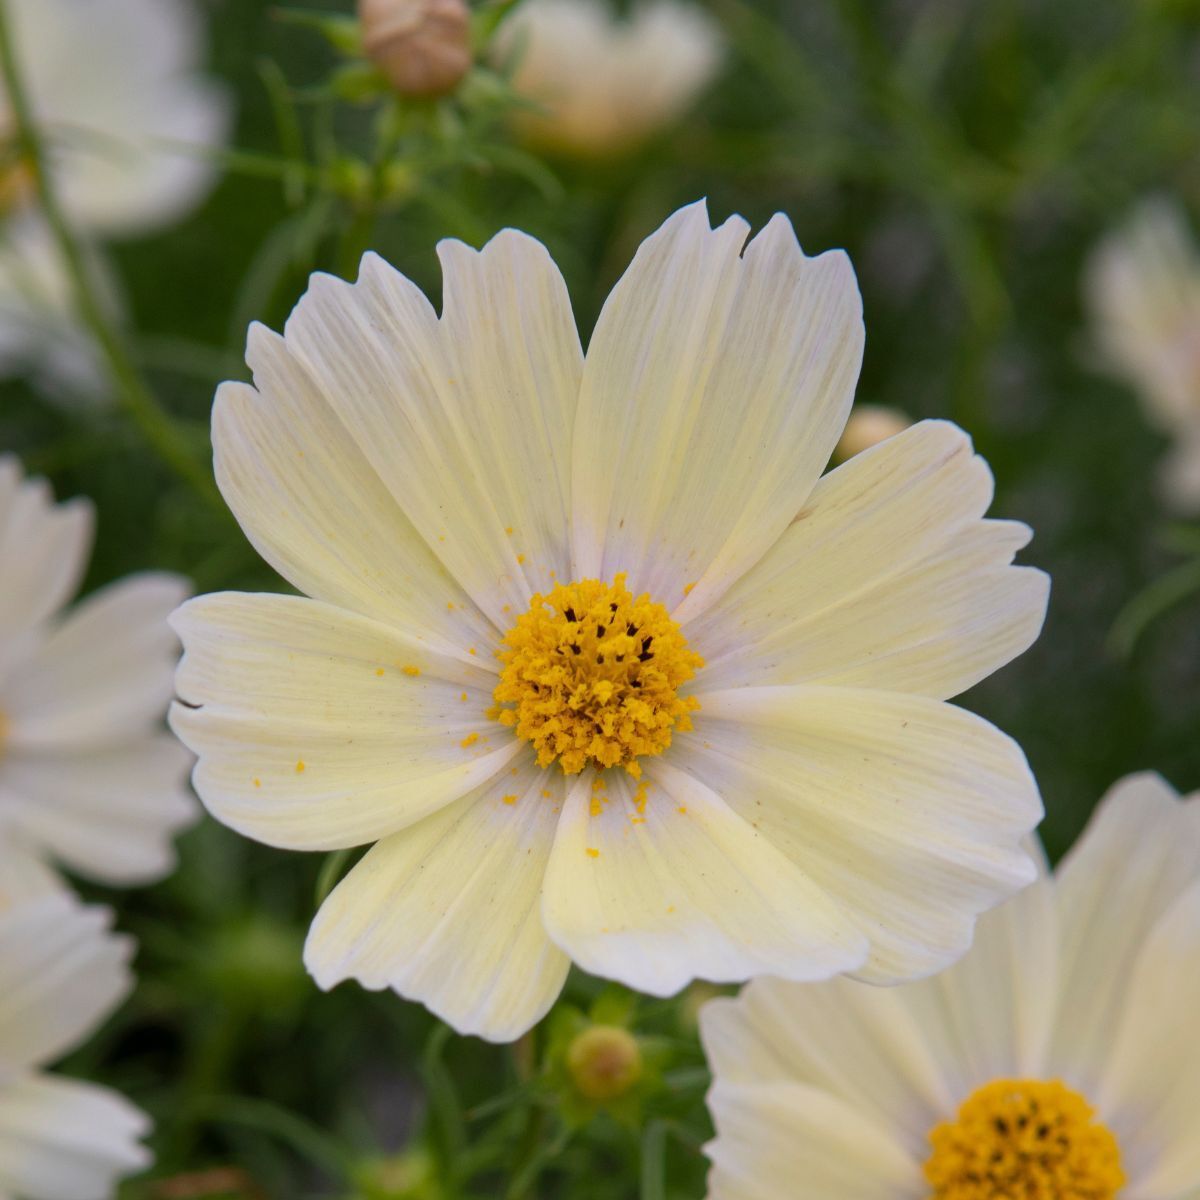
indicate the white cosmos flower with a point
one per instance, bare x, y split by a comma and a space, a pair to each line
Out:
61, 973
87, 779
604, 84
495, 532
1143, 287
1058, 1059
112, 83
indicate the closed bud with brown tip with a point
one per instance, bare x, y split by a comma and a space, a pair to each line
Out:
423, 47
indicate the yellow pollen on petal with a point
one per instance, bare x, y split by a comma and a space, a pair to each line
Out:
413, 671
591, 677
687, 588
300, 767
509, 799
520, 559
380, 671
592, 852
1024, 1138
469, 740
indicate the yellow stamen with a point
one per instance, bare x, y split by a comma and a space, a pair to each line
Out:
592, 675
1024, 1138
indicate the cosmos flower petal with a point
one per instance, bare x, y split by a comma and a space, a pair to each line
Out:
43, 549
61, 973
63, 1139
1139, 852
914, 593
1150, 1090
467, 420
867, 1046
63, 694
318, 729
314, 508
772, 1135
991, 1015
716, 386
23, 874
108, 812
656, 893
907, 811
449, 912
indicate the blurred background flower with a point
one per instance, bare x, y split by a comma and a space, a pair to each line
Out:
127, 123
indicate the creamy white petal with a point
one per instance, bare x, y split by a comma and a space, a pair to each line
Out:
318, 729
63, 1139
992, 1014
777, 1140
314, 508
863, 1045
1139, 852
1150, 1091
467, 420
61, 973
108, 813
684, 889
914, 592
23, 874
103, 672
448, 912
716, 386
43, 550
908, 812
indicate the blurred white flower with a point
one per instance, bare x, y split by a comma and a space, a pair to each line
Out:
87, 779
741, 762
112, 83
61, 973
869, 424
1058, 1059
605, 84
1143, 288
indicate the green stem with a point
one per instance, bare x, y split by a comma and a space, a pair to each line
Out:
132, 393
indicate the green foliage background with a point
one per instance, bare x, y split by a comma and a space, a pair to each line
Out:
968, 156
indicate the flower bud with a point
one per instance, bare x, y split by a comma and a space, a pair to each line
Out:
423, 47
868, 425
604, 1062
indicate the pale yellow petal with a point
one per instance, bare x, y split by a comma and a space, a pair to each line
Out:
466, 420
448, 912
887, 578
775, 1141
656, 893
716, 386
313, 506
1137, 855
907, 812
1150, 1091
317, 729
863, 1045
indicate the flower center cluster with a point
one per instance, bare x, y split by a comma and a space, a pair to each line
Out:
1024, 1140
592, 675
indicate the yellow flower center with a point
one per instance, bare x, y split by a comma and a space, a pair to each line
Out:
1024, 1140
592, 675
